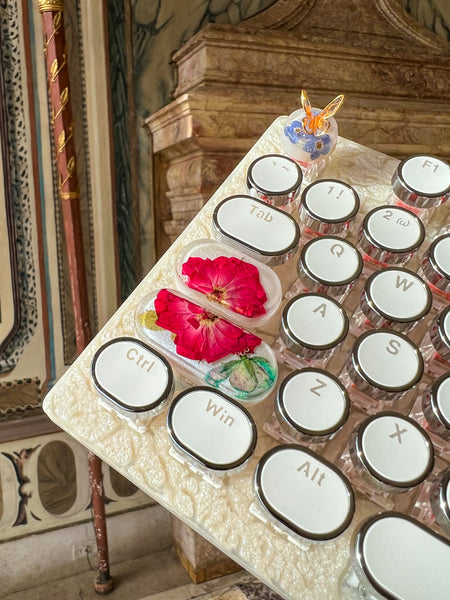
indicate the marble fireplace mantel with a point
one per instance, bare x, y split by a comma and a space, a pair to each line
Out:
233, 81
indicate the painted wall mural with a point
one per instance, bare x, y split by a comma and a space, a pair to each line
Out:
143, 35
19, 294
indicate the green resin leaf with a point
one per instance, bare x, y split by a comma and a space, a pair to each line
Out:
246, 375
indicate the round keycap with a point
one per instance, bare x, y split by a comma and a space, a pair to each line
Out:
312, 325
395, 297
304, 492
131, 375
393, 449
402, 559
436, 263
257, 229
275, 179
328, 206
329, 264
312, 403
440, 333
390, 234
440, 501
384, 364
422, 181
211, 428
436, 406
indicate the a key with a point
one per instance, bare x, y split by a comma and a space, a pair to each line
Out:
133, 378
328, 206
211, 430
303, 492
397, 558
232, 285
440, 501
390, 235
392, 452
436, 344
312, 327
394, 298
312, 405
436, 406
329, 265
275, 179
435, 268
263, 232
421, 183
384, 364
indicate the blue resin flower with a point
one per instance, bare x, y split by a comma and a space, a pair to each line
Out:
294, 131
315, 146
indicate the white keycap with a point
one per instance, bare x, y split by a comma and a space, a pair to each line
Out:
329, 206
312, 324
329, 261
403, 560
395, 295
211, 429
304, 492
312, 402
131, 375
275, 179
262, 231
390, 234
393, 449
384, 361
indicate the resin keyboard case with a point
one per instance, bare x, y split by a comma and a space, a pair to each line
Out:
222, 504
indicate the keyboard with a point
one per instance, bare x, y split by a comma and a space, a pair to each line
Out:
280, 380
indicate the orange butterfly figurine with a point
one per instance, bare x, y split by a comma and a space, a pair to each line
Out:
318, 124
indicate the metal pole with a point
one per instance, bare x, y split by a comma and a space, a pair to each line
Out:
63, 129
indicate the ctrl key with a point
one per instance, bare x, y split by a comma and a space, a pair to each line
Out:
397, 558
133, 379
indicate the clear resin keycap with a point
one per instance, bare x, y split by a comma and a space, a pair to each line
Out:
229, 283
205, 347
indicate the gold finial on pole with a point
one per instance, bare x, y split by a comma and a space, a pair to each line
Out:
51, 5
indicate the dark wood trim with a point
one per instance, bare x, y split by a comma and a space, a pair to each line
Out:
19, 429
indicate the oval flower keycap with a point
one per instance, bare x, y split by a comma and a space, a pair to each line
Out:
232, 285
304, 492
211, 429
206, 347
263, 232
132, 377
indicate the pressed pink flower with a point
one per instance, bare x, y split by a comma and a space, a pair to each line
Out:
198, 333
228, 280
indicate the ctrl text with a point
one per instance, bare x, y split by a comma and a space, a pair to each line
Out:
139, 359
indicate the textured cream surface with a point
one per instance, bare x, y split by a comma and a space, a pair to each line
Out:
220, 514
